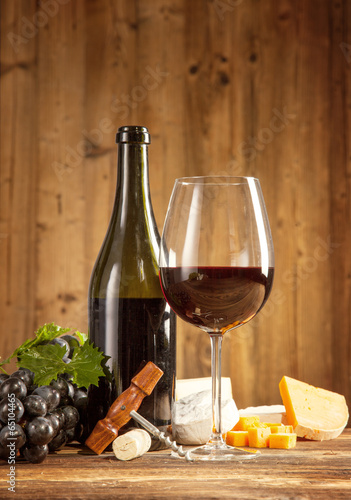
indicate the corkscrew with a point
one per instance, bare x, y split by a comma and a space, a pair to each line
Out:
161, 436
106, 430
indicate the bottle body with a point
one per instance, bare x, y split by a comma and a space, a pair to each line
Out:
129, 319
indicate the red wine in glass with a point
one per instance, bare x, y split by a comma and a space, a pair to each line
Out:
213, 298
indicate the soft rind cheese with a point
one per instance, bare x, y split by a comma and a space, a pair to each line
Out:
187, 386
192, 418
314, 413
270, 413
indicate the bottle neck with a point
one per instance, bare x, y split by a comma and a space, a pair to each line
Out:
133, 190
133, 198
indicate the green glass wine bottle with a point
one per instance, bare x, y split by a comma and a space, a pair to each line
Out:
129, 319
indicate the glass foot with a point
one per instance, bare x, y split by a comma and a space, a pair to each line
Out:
218, 453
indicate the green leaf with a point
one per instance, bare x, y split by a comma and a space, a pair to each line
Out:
45, 361
86, 365
44, 334
82, 337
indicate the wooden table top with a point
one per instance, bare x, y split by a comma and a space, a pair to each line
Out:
312, 470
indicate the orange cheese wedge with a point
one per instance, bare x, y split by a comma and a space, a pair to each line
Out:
314, 413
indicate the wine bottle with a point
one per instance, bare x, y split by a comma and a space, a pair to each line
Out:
129, 319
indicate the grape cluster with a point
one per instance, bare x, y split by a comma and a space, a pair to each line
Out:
37, 420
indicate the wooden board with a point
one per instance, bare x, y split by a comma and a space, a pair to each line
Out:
312, 470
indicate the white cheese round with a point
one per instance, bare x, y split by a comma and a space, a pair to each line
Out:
192, 418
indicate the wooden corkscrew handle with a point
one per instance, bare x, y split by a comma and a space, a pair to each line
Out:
106, 430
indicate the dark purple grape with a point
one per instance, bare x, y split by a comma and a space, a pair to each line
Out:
35, 406
13, 385
39, 431
80, 400
58, 413
70, 434
72, 342
55, 422
66, 401
58, 441
51, 396
71, 416
24, 374
11, 408
31, 389
12, 434
61, 342
3, 376
78, 432
71, 390
61, 385
35, 453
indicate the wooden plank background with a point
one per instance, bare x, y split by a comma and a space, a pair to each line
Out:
240, 87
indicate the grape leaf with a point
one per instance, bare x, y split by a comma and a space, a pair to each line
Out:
86, 365
43, 335
82, 337
45, 361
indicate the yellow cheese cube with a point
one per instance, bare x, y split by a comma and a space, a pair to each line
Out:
245, 422
281, 429
237, 438
259, 437
269, 424
282, 440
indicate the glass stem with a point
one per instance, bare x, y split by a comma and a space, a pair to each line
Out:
216, 353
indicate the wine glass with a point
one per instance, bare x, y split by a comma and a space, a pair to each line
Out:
216, 270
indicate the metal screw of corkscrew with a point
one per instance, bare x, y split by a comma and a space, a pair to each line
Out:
161, 436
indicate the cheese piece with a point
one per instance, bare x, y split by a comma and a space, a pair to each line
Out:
185, 387
237, 438
272, 424
270, 413
259, 437
281, 429
245, 422
132, 444
314, 413
192, 418
282, 440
